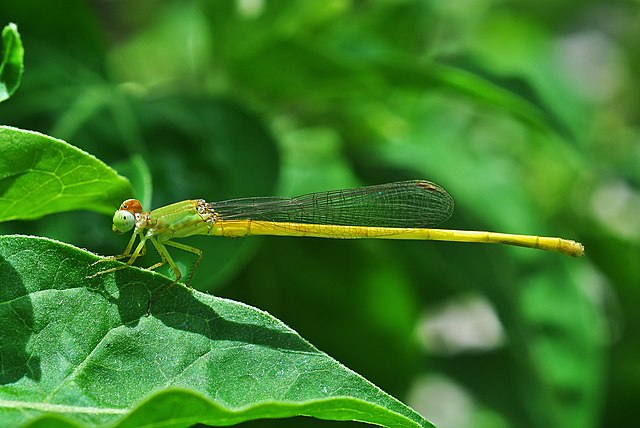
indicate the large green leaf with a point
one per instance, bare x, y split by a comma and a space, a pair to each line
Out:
11, 61
42, 175
84, 350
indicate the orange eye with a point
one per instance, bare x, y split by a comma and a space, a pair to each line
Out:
132, 205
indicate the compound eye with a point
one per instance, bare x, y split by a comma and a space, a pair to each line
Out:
132, 205
123, 221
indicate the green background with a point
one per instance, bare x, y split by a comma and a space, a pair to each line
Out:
527, 112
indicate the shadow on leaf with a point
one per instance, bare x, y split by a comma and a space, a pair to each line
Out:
16, 313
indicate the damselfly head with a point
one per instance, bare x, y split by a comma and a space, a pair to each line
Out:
125, 218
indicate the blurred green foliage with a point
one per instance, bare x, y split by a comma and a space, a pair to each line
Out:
527, 112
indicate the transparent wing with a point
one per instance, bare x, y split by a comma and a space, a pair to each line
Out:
403, 204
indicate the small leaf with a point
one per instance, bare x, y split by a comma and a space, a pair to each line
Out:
41, 175
83, 351
11, 61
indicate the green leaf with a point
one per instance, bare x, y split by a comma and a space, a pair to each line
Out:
41, 175
492, 92
11, 61
83, 351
